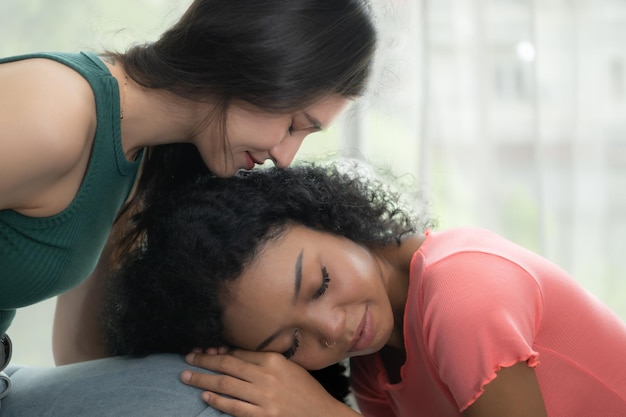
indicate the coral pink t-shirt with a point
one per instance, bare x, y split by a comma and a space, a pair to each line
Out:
478, 302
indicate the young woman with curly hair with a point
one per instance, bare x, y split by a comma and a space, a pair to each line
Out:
327, 264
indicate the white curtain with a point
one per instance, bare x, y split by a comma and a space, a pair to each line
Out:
511, 115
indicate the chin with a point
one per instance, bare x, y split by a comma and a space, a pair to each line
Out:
223, 172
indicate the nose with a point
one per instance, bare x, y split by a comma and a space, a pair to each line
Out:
283, 153
330, 326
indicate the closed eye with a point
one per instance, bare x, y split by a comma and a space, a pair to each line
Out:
294, 346
310, 125
325, 281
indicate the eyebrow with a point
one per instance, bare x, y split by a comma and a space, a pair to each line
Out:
267, 341
298, 277
296, 293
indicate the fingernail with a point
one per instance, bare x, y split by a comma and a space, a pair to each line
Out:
185, 376
190, 357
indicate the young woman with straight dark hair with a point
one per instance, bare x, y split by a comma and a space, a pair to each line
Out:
229, 86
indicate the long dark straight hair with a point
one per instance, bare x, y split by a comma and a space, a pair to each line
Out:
277, 55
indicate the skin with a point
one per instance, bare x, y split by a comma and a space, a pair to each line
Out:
253, 136
47, 127
49, 117
48, 112
285, 295
263, 301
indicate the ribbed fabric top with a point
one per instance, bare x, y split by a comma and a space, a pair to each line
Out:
477, 303
42, 257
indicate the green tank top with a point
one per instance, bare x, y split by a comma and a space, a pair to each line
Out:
43, 257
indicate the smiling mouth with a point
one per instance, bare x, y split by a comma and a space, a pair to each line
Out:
251, 162
358, 333
256, 161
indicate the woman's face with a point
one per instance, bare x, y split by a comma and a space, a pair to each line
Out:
308, 290
253, 136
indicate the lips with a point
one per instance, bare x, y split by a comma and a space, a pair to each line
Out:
364, 333
250, 162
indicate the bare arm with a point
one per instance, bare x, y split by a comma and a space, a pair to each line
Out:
47, 125
76, 335
513, 393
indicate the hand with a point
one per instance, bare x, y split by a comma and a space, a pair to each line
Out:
261, 384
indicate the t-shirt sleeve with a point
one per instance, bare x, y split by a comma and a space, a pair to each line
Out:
366, 389
480, 313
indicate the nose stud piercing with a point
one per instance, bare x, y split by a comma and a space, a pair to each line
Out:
330, 345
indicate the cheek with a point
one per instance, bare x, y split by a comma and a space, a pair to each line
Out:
257, 139
315, 358
239, 317
212, 144
363, 277
258, 133
213, 156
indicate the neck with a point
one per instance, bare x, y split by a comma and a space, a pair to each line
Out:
395, 263
153, 117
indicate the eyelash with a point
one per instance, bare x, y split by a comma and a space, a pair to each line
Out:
324, 287
296, 341
294, 346
291, 129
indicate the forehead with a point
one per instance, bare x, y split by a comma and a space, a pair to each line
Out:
263, 285
327, 108
262, 296
324, 110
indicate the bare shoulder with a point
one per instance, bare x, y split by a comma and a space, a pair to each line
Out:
45, 102
47, 121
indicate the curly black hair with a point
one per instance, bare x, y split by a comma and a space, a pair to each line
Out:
169, 294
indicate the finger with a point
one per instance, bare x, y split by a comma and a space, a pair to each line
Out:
224, 385
200, 358
259, 358
209, 351
224, 364
231, 406
220, 350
